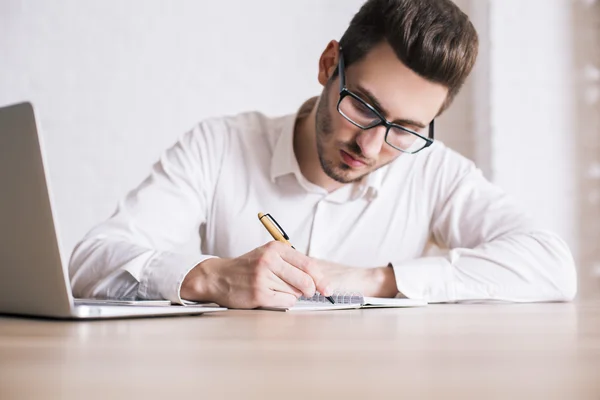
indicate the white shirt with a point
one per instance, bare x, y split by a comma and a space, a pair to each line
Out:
209, 187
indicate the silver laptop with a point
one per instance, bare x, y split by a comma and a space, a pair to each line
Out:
33, 274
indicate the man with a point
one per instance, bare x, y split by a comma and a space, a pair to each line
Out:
354, 177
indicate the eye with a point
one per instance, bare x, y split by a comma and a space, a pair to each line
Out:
400, 132
362, 109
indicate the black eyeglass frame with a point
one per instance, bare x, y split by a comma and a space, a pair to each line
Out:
383, 121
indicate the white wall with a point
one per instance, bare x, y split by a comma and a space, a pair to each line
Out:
115, 82
533, 135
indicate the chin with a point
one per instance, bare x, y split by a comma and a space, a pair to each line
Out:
340, 172
344, 174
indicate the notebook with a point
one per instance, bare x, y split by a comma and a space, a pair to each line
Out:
346, 301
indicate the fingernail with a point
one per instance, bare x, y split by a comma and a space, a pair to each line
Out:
328, 291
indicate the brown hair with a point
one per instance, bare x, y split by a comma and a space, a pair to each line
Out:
434, 38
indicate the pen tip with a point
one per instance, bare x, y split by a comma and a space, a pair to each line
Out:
260, 215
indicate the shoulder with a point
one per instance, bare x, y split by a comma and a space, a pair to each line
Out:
443, 162
442, 170
228, 129
243, 123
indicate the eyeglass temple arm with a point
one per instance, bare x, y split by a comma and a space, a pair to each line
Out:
341, 70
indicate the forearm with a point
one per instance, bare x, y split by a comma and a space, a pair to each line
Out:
520, 267
117, 269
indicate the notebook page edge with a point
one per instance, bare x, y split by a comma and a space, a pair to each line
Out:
392, 302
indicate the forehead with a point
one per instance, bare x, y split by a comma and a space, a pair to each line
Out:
400, 91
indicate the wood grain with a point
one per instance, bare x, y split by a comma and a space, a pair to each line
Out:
441, 351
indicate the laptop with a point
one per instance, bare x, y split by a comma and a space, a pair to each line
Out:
33, 273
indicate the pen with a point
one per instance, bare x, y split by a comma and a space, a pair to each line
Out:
279, 234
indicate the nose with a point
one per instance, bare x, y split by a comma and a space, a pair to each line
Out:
370, 141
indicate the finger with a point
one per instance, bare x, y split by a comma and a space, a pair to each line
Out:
294, 277
307, 265
276, 283
279, 299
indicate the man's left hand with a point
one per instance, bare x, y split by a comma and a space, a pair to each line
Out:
373, 282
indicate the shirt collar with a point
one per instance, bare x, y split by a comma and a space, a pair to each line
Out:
283, 161
374, 180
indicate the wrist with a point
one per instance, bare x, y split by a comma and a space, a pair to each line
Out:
384, 282
199, 283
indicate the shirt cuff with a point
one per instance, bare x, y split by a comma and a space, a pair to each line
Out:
163, 276
428, 278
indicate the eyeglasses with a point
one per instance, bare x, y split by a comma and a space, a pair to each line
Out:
365, 116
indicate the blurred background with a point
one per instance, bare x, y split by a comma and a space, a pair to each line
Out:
115, 82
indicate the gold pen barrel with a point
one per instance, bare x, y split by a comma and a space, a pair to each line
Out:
273, 230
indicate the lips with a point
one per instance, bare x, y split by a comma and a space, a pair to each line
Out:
351, 161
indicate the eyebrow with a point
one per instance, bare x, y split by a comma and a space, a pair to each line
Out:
375, 103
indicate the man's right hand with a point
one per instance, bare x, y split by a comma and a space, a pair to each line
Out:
273, 275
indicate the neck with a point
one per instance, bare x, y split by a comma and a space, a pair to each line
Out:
305, 147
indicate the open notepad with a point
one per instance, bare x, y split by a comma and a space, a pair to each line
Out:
348, 300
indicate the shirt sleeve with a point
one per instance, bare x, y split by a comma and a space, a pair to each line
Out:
139, 251
495, 252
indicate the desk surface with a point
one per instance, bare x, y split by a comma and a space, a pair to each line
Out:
441, 351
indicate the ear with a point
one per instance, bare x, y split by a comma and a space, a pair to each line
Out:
328, 61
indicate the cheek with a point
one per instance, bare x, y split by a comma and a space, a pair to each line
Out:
387, 155
347, 130
344, 130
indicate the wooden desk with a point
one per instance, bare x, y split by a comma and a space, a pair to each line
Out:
443, 352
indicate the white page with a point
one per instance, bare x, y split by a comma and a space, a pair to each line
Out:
371, 302
313, 306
